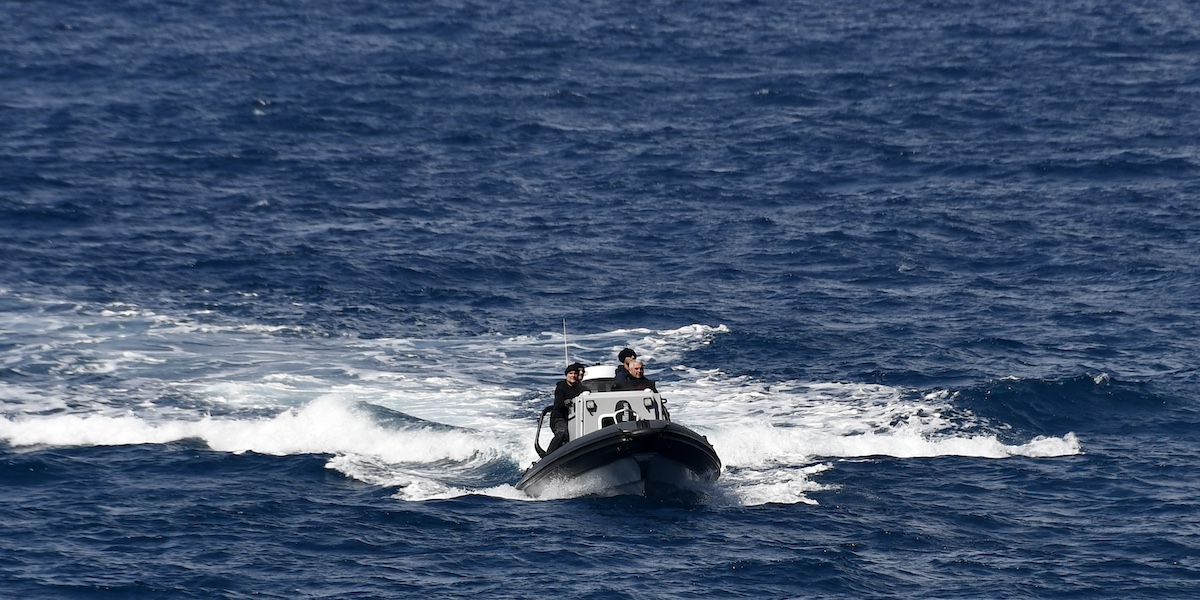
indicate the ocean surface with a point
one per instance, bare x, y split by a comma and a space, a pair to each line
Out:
285, 285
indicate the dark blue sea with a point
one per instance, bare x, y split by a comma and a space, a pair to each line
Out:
285, 285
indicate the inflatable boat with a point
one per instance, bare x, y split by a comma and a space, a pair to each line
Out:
622, 442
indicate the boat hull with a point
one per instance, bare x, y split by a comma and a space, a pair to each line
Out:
652, 458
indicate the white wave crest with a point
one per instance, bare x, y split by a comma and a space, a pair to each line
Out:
325, 426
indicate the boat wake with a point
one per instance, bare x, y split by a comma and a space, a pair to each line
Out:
442, 418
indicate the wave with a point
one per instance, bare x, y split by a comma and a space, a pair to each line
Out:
1081, 402
324, 426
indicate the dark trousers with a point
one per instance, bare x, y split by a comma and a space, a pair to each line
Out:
559, 427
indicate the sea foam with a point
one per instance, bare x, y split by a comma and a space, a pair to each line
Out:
455, 411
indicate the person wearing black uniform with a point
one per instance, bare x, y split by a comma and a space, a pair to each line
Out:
564, 392
624, 357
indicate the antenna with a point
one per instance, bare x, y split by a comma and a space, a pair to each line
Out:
566, 357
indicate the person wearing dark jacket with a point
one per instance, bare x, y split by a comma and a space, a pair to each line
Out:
564, 392
635, 380
624, 357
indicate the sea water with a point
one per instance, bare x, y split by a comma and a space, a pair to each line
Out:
284, 287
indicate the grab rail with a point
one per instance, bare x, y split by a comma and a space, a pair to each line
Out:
537, 446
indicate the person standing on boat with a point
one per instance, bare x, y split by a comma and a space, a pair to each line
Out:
635, 380
624, 357
564, 392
